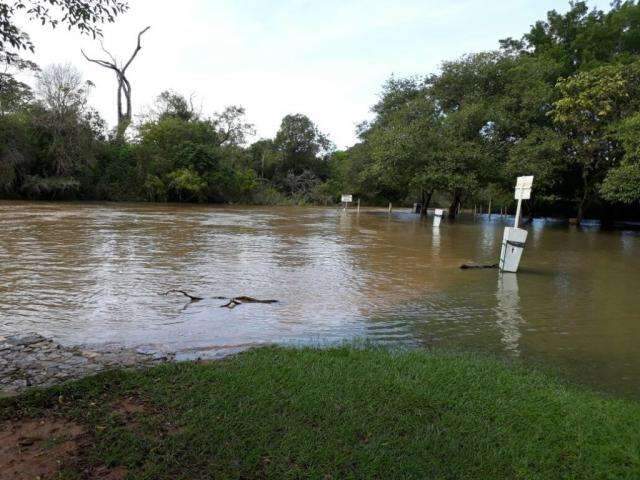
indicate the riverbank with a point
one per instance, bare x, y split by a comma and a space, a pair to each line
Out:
310, 413
31, 360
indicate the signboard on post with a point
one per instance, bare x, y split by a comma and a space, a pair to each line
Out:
514, 238
347, 198
523, 188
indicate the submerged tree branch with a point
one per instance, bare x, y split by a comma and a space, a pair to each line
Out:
190, 297
232, 303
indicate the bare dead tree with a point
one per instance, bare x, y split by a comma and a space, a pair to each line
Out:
124, 86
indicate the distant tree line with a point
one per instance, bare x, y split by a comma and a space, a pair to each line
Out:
53, 145
561, 103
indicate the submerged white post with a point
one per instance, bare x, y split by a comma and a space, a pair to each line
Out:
437, 217
358, 206
518, 213
514, 238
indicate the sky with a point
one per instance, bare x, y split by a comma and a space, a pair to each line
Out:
326, 59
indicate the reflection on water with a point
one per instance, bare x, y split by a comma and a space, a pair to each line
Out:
507, 311
435, 236
92, 273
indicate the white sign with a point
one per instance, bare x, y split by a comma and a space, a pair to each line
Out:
512, 247
523, 188
439, 212
347, 198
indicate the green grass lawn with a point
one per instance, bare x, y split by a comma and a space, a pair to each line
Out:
344, 413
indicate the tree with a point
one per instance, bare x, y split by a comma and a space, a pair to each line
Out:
15, 94
582, 38
187, 184
232, 127
49, 143
170, 104
185, 157
588, 103
431, 135
62, 90
16, 150
469, 144
82, 15
403, 140
622, 183
124, 86
300, 145
541, 154
264, 158
66, 118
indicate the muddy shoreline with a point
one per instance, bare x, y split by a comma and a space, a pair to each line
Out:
31, 360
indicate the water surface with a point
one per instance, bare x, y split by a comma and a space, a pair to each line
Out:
93, 274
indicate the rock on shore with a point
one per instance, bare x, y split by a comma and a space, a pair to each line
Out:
32, 360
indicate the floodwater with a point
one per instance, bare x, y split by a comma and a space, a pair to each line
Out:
94, 274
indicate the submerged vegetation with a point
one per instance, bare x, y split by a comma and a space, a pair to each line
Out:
338, 413
560, 103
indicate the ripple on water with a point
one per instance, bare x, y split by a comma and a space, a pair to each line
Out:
92, 273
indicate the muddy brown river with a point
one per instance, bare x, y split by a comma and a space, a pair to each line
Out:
94, 273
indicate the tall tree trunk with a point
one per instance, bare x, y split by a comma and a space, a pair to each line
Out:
453, 209
426, 200
583, 200
124, 86
580, 214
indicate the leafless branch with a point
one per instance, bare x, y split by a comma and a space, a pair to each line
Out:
190, 297
124, 87
113, 59
138, 47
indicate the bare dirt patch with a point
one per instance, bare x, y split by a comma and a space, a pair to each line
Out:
104, 473
37, 448
41, 448
130, 406
130, 409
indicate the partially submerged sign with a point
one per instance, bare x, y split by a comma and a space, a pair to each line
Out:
347, 198
512, 247
523, 188
437, 217
514, 238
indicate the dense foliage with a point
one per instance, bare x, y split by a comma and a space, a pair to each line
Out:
560, 103
54, 146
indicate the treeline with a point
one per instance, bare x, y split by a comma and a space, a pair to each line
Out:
53, 145
560, 103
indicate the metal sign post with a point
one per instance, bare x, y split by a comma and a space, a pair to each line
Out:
514, 238
523, 192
